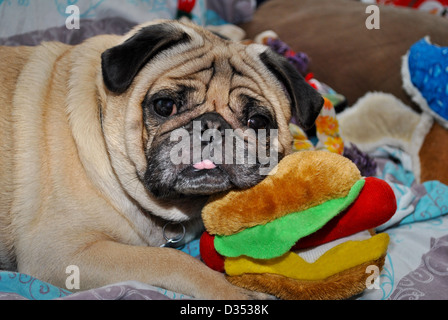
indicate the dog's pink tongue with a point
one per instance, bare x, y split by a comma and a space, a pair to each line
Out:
204, 165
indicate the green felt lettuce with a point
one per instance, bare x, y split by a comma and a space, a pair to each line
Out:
275, 238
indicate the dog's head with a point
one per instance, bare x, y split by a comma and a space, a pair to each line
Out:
199, 114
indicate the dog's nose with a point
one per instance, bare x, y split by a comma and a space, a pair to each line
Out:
213, 121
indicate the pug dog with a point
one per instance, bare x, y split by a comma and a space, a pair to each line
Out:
89, 177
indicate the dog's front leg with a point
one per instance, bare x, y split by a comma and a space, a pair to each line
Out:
107, 262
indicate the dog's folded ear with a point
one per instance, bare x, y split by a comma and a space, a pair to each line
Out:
121, 64
306, 102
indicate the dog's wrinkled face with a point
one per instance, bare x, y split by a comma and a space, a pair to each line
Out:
208, 115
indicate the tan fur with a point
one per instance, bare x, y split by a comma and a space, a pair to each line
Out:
12, 62
69, 190
302, 180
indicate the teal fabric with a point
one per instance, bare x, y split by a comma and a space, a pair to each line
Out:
29, 287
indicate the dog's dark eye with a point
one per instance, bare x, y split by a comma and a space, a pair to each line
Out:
258, 122
165, 107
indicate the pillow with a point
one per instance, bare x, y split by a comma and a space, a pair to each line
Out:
89, 29
344, 54
434, 155
18, 17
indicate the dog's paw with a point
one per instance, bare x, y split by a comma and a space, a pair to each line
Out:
221, 289
237, 293
254, 295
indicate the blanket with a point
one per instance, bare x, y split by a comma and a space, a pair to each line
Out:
418, 232
415, 267
416, 263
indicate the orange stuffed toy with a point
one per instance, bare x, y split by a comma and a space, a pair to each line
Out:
304, 232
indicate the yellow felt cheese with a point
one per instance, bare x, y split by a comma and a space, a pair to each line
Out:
342, 257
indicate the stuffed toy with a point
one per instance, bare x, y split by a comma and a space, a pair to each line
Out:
425, 78
305, 232
436, 7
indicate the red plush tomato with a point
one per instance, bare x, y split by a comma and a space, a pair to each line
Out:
186, 5
208, 253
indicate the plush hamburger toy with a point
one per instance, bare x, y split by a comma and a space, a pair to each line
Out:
302, 233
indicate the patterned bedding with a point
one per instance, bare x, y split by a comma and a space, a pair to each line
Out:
417, 261
19, 17
416, 265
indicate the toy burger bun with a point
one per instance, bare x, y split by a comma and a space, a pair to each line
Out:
303, 232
